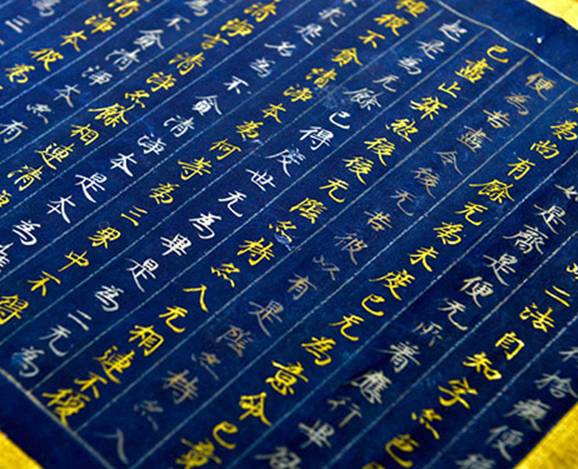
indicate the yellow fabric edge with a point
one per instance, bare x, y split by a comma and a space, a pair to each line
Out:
565, 9
12, 457
558, 449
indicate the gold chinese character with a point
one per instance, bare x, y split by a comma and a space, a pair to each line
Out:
520, 168
225, 147
393, 281
79, 260
237, 27
346, 56
482, 364
540, 321
334, 185
86, 133
404, 128
346, 323
286, 377
546, 149
449, 233
382, 147
469, 210
456, 392
422, 255
412, 7
161, 81
162, 194
66, 403
511, 343
258, 251
297, 93
19, 73
309, 209
392, 22
73, 39
429, 107
172, 314
474, 71
359, 166
320, 348
27, 176
273, 111
112, 115
104, 236
224, 272
186, 62
249, 129
371, 38
149, 339
426, 417
197, 167
404, 443
100, 23
321, 77
47, 56
211, 41
124, 8
11, 307
565, 130
199, 454
495, 190
261, 11
41, 283
254, 406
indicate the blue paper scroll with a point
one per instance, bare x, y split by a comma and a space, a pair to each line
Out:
286, 234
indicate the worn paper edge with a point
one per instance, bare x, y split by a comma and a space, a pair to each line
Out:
564, 9
11, 456
558, 449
